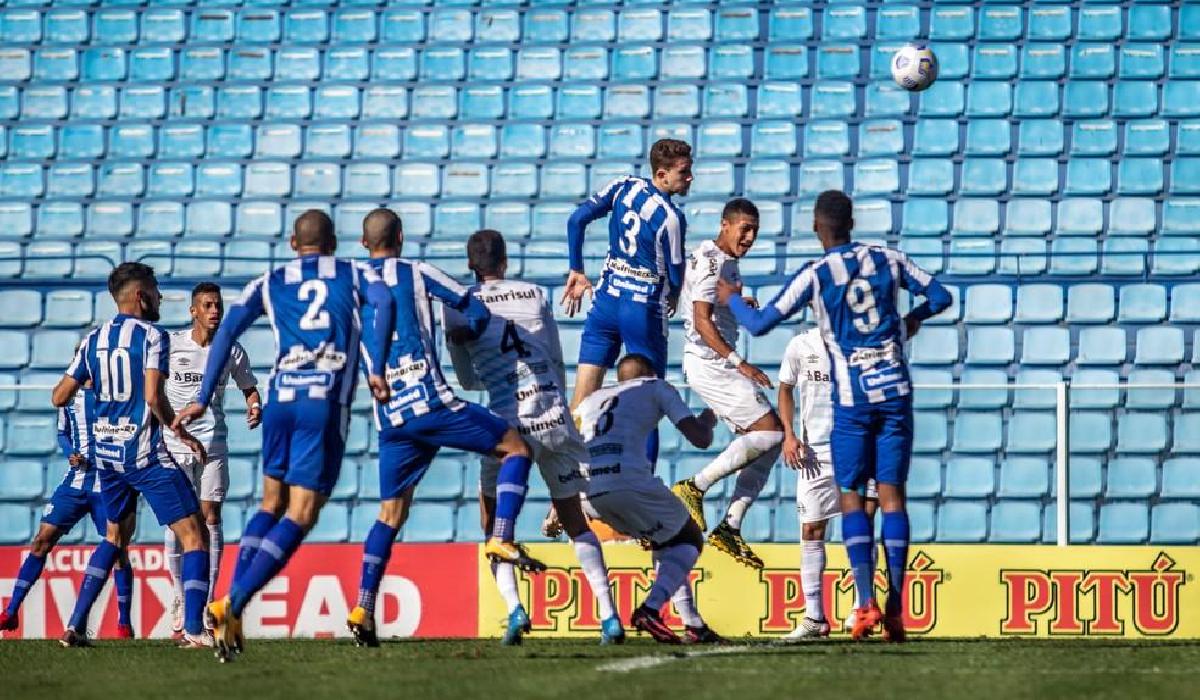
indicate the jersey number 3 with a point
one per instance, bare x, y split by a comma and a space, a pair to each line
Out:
316, 318
628, 242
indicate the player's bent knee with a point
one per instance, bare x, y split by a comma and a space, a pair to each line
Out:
513, 445
690, 533
769, 422
393, 512
570, 514
190, 532
45, 539
813, 532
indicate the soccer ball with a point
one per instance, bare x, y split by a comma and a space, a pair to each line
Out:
914, 67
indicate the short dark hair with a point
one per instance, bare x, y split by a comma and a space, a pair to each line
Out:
381, 228
666, 152
205, 288
128, 273
835, 209
739, 206
486, 252
313, 228
643, 364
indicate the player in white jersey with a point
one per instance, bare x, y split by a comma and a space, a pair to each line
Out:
732, 387
805, 385
189, 354
518, 359
623, 490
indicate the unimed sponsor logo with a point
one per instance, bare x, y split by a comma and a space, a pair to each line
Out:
785, 604
1093, 601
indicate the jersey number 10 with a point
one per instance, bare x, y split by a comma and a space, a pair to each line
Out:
116, 384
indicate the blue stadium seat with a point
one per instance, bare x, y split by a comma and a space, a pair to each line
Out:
268, 179
1082, 521
826, 138
935, 346
1043, 61
469, 141
160, 220
962, 521
430, 522
23, 308
712, 178
1123, 523
1140, 176
1099, 23
785, 100
405, 25
15, 345
790, 62
1016, 521
336, 102
1031, 431
523, 140
1149, 23
48, 259
987, 137
120, 26
1094, 137
376, 141
258, 254
1143, 303
713, 139
929, 431
816, 176
581, 102
109, 219
542, 64
828, 100
942, 99
970, 477
974, 395
835, 62
988, 303
31, 142
353, 26
1036, 98
513, 180
1022, 256
881, 137
1088, 176
131, 141
1090, 432
1142, 61
66, 180
1105, 346
593, 25
373, 180
1131, 477
1185, 426
1090, 303
1185, 303
925, 217
1086, 395
931, 176
1135, 98
246, 102
16, 523
1046, 346
876, 177
1038, 391
767, 138
1175, 523
1039, 303
1159, 346
21, 480
1024, 477
1180, 477
581, 63
725, 100
333, 525
29, 435
1141, 433
996, 62
989, 98
925, 477
990, 346
977, 431
1095, 61
928, 397
1040, 137
317, 179
218, 179
886, 99
1189, 22
170, 180
83, 141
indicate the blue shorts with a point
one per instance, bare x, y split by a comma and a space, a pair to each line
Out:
304, 442
164, 486
872, 441
642, 327
68, 506
406, 451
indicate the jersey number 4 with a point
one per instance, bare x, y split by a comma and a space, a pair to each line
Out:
511, 341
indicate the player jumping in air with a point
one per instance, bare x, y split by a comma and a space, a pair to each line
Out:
313, 304
623, 490
855, 291
424, 415
731, 386
78, 495
189, 355
518, 359
125, 360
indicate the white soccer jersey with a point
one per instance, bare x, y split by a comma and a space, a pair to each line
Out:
186, 373
806, 366
616, 421
517, 358
705, 265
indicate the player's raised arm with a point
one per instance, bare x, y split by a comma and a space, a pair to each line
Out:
455, 296
787, 303
594, 207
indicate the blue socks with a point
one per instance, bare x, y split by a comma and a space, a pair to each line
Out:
856, 533
895, 549
273, 553
376, 552
511, 485
257, 527
29, 573
98, 566
123, 580
195, 590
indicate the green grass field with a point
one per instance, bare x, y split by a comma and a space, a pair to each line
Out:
546, 668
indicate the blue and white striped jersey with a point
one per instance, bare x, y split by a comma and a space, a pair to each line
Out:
645, 240
116, 357
412, 369
855, 295
313, 304
75, 437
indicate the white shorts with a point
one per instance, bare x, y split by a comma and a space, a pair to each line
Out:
211, 480
817, 495
650, 511
557, 453
730, 394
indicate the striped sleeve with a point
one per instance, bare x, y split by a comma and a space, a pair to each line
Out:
797, 293
158, 349
78, 369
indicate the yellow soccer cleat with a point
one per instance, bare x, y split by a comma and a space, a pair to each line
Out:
227, 629
693, 500
728, 540
362, 625
500, 551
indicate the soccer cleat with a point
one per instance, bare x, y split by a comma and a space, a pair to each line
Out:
729, 540
702, 635
362, 625
808, 629
518, 626
7, 623
177, 619
865, 620
204, 640
227, 629
511, 553
893, 629
73, 639
124, 631
850, 620
649, 621
693, 500
611, 631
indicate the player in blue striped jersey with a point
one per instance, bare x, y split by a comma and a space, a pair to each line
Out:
125, 359
854, 290
78, 495
424, 415
313, 304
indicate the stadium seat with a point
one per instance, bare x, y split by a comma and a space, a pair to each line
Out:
990, 346
1090, 303
1024, 477
935, 346
1015, 521
23, 308
974, 392
962, 521
826, 139
987, 137
31, 435
970, 477
931, 176
1072, 256
1141, 433
1175, 523
430, 522
1037, 388
1088, 395
771, 138
971, 256
1106, 346
1046, 346
1159, 346
876, 177
932, 397
929, 431
815, 177
988, 304
16, 523
160, 220
713, 139
1142, 303
1031, 432
1131, 477
1123, 523
259, 219
1039, 303
1043, 61
977, 431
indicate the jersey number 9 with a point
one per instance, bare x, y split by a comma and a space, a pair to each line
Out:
861, 301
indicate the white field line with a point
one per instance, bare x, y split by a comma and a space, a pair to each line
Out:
637, 663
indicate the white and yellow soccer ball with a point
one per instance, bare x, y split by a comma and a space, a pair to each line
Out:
914, 67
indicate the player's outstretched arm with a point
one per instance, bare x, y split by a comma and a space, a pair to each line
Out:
698, 429
760, 321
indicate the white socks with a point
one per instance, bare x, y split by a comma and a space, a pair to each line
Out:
672, 565
506, 581
591, 558
685, 605
812, 567
174, 555
216, 545
740, 453
751, 480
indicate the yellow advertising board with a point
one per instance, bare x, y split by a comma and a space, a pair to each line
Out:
951, 591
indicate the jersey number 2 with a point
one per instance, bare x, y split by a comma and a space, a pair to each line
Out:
511, 341
315, 318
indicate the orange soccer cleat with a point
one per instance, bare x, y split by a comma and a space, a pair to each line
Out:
865, 619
